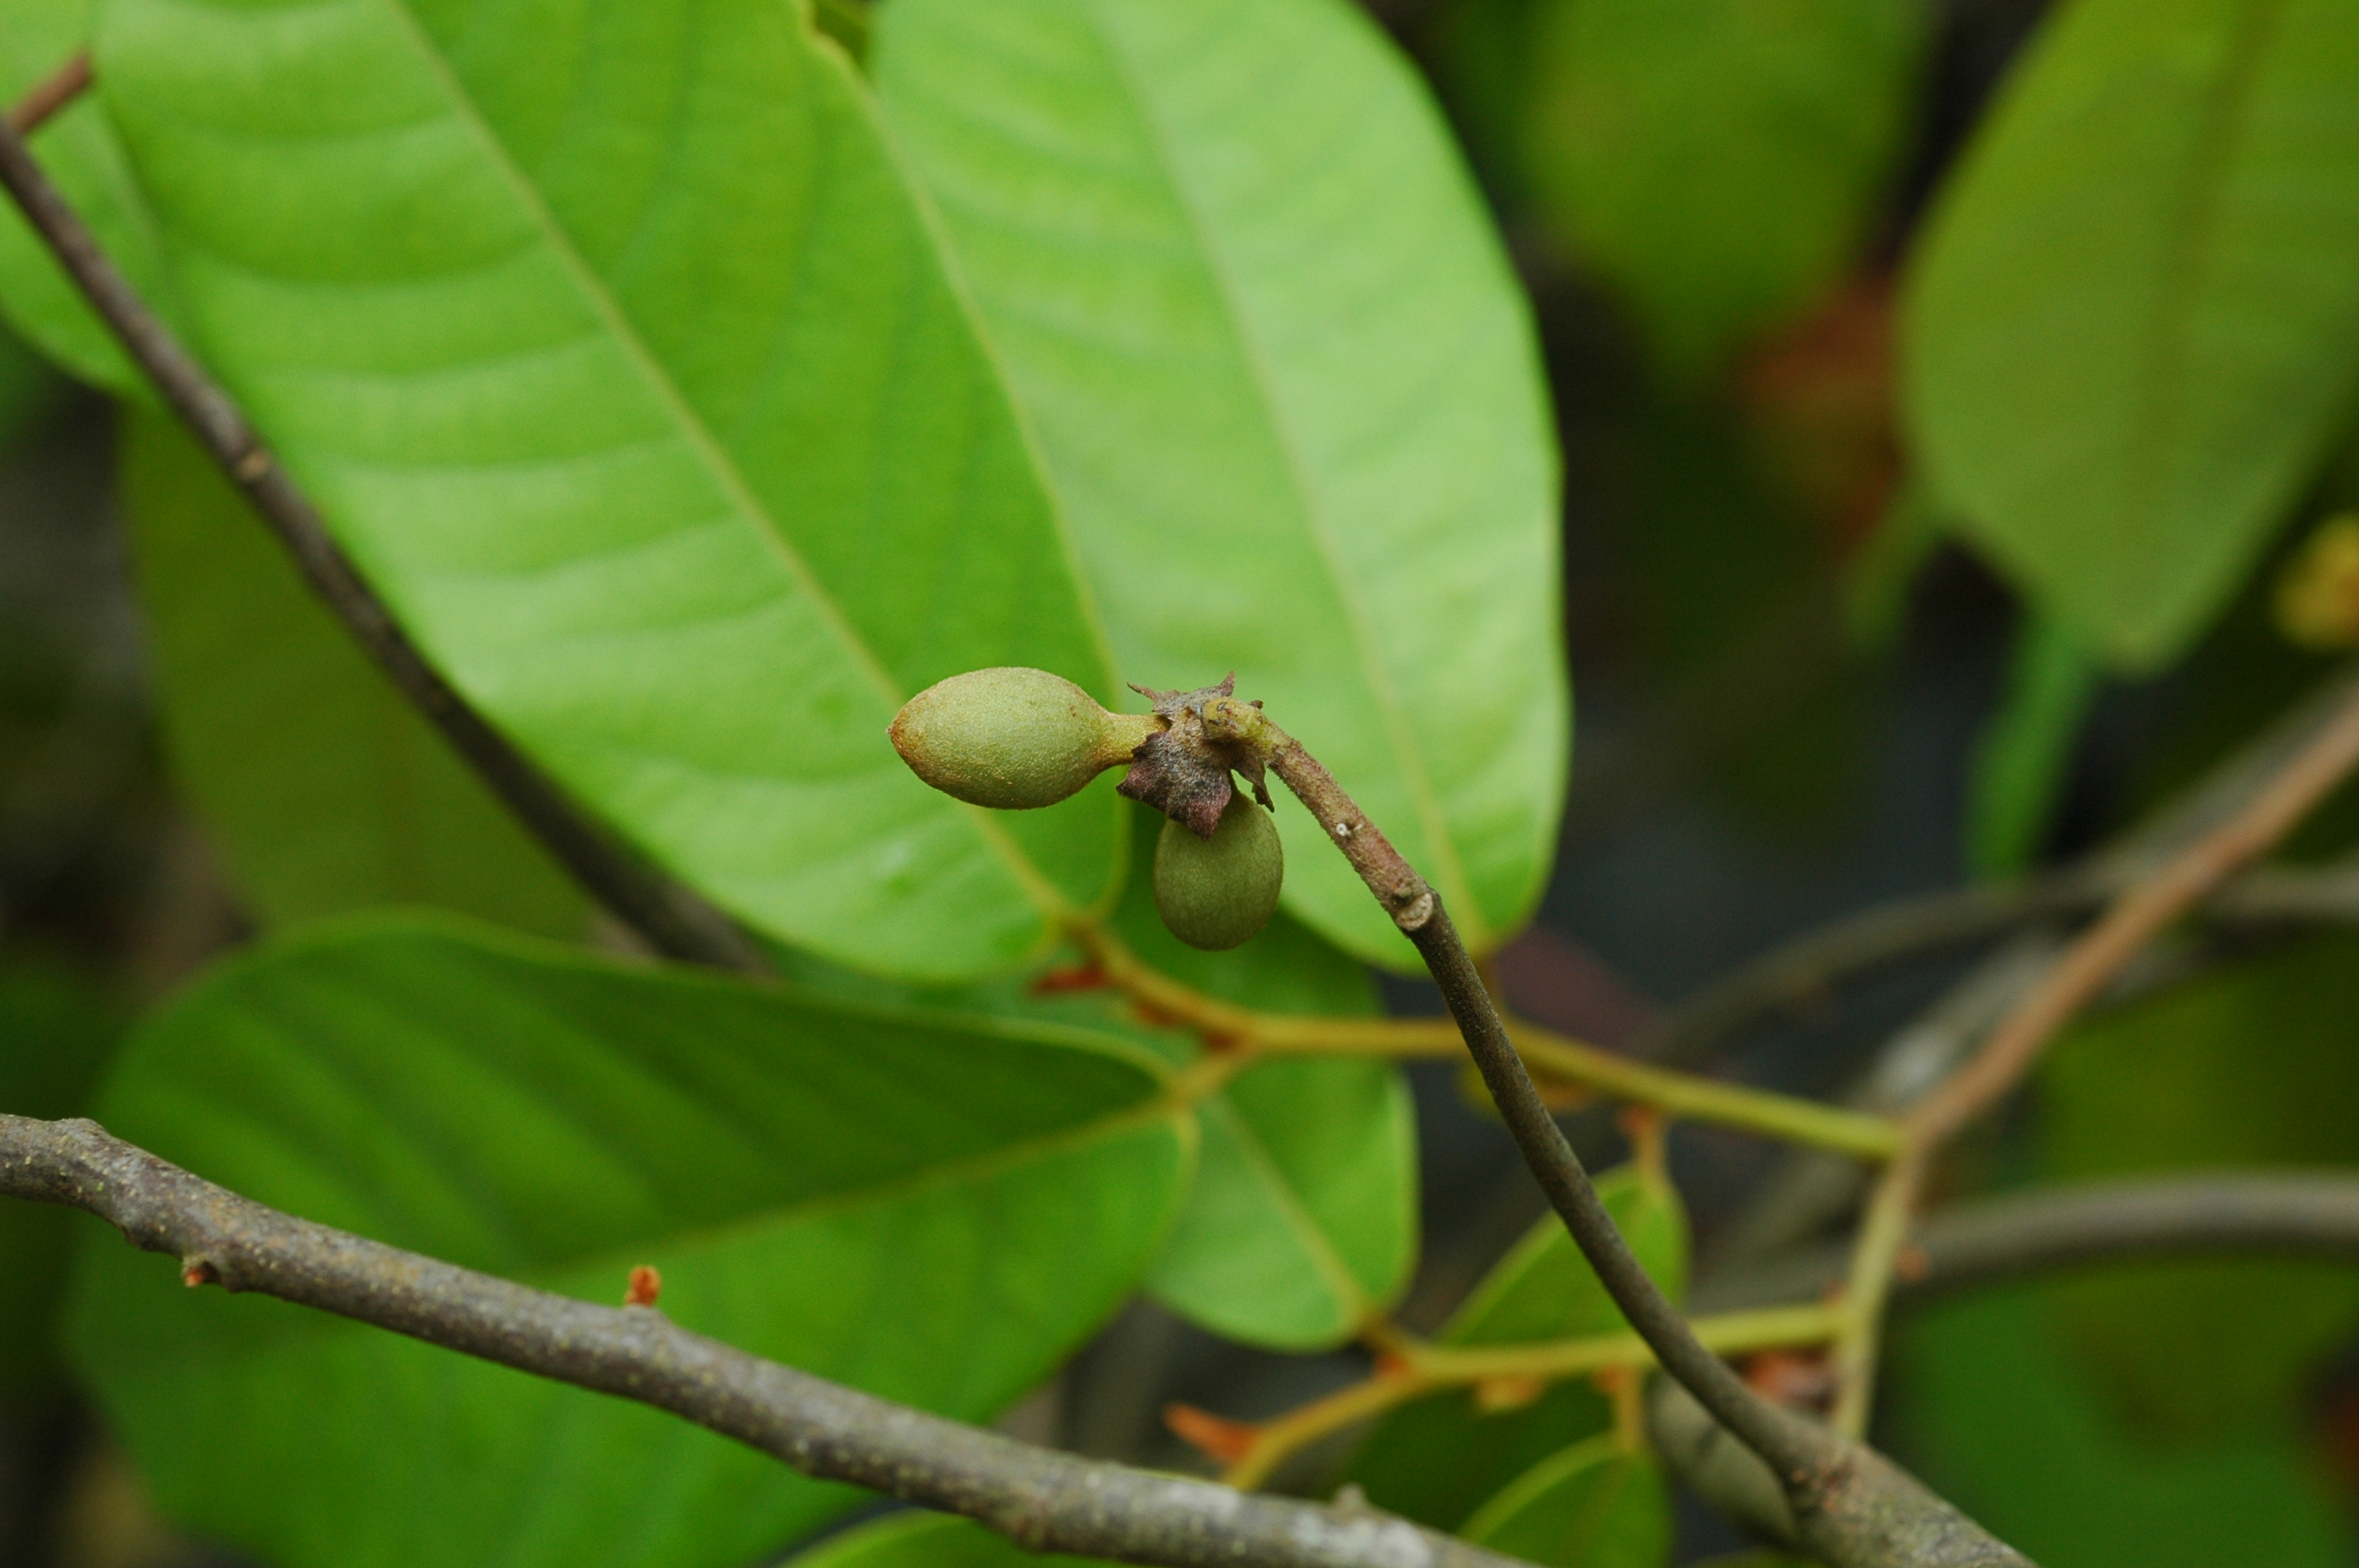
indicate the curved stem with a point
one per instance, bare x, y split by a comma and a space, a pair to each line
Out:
1855, 1508
1413, 1370
1986, 1241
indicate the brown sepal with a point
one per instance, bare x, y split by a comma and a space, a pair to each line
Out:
1184, 772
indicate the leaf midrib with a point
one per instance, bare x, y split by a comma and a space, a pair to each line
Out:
1325, 1261
1447, 870
708, 449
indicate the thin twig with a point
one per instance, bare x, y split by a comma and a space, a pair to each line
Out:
1810, 967
1813, 966
49, 95
1988, 1241
2297, 779
1855, 1508
1042, 1500
672, 920
2133, 920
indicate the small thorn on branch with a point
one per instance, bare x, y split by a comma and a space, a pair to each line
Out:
197, 1272
61, 87
646, 1285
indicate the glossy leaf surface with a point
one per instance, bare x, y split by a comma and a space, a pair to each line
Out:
1596, 1505
327, 790
936, 1210
1713, 161
1287, 390
2134, 323
615, 345
1437, 1459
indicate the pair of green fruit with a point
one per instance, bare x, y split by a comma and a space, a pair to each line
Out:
1014, 740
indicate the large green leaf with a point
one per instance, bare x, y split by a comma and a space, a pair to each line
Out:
1437, 1459
79, 152
2254, 1067
1286, 389
1714, 160
2134, 323
615, 345
932, 1208
1596, 1505
328, 789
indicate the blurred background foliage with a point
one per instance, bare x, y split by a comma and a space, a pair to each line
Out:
1948, 391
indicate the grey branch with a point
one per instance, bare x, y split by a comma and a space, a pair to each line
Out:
672, 920
1045, 1500
1797, 974
2300, 1213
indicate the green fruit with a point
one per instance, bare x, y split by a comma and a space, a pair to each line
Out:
1219, 892
1012, 738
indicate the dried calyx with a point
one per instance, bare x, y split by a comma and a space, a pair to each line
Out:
1183, 770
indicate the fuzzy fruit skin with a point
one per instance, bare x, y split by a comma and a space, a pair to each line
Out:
1009, 737
1217, 892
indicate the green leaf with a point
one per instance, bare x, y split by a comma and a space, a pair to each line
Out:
84, 159
1302, 1221
2023, 758
924, 1540
935, 1209
2133, 325
60, 1032
623, 360
327, 789
1436, 1460
1286, 389
2250, 1068
1715, 161
1596, 1505
2005, 1426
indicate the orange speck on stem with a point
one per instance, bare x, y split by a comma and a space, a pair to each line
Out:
645, 1286
1223, 1440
